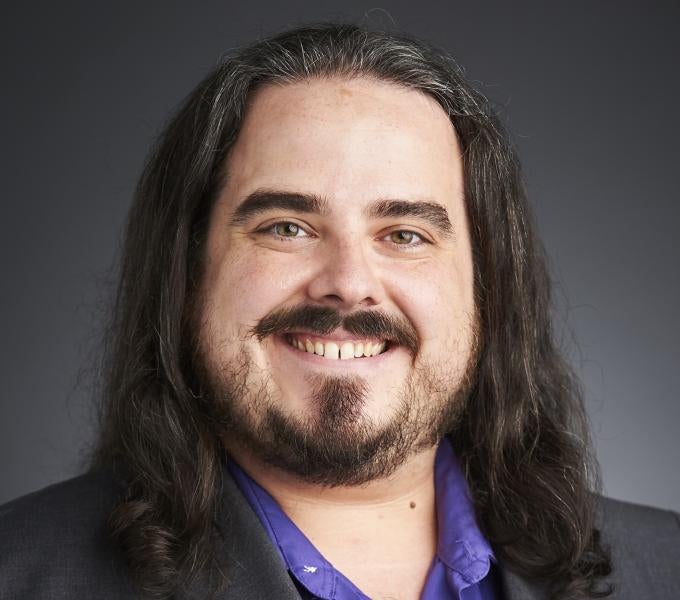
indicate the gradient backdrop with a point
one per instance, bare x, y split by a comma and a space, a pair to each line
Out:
589, 91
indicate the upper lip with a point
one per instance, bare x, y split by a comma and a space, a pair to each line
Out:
337, 335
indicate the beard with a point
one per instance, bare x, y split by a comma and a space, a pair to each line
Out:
336, 443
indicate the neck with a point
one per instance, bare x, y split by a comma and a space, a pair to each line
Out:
379, 526
410, 482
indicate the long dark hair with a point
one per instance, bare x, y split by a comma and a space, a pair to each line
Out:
524, 440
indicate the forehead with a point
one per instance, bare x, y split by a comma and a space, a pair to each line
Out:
348, 140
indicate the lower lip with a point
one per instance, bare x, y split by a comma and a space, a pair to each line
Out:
332, 363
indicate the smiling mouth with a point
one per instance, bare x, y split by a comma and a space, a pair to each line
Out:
333, 350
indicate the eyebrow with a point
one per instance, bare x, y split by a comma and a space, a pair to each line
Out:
263, 200
432, 212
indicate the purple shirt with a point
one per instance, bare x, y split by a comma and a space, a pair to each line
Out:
461, 570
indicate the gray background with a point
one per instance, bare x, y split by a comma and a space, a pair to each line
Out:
589, 91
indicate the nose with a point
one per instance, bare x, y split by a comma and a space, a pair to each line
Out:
346, 278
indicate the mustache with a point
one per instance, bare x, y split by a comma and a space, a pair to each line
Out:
322, 320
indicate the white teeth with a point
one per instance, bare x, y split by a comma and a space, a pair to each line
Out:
347, 351
331, 351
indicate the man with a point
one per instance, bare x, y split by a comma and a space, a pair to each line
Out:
331, 372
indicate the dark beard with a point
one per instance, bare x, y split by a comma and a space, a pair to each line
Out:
336, 445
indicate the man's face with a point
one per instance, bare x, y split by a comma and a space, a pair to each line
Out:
341, 230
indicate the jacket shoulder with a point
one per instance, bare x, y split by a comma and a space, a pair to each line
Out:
639, 522
54, 543
645, 546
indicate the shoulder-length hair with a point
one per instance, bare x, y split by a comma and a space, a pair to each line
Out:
523, 442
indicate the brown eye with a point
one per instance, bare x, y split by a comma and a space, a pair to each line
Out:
402, 237
281, 231
286, 229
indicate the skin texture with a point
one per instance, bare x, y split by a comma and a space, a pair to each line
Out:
352, 143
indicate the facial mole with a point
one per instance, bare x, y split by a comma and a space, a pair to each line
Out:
412, 504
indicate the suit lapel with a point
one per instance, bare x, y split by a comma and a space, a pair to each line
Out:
254, 568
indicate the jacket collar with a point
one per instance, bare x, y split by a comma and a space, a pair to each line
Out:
252, 566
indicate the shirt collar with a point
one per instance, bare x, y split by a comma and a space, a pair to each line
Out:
461, 545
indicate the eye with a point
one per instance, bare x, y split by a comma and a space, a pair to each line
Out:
284, 229
406, 238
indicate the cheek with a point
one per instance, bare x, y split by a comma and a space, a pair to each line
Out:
247, 284
438, 299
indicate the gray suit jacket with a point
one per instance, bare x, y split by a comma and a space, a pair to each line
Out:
53, 544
